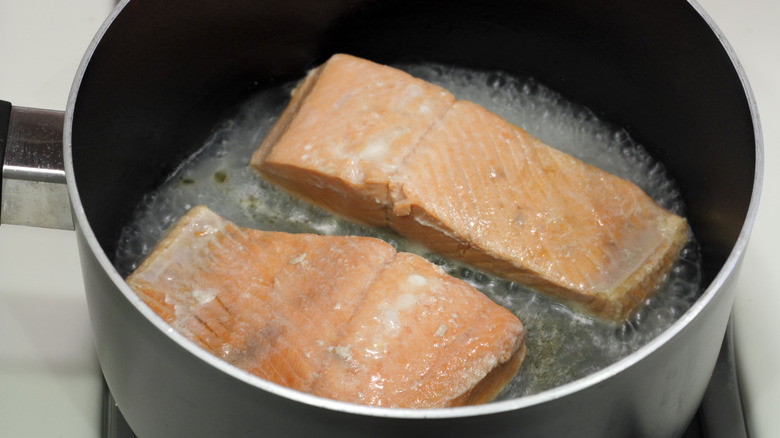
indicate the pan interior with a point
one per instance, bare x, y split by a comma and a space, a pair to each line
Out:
563, 345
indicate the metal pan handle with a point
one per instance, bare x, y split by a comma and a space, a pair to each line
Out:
34, 191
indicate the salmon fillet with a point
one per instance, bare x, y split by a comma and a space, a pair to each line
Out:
468, 184
346, 318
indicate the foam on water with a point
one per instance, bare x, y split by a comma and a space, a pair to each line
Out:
562, 345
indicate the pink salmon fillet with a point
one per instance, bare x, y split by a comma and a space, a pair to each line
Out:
346, 318
380, 147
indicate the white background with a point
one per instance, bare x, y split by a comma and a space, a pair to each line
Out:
50, 383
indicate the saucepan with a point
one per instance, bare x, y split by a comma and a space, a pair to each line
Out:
159, 76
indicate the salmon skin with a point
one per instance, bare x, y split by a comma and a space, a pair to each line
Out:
346, 318
380, 147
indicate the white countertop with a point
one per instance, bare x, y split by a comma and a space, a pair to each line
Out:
50, 383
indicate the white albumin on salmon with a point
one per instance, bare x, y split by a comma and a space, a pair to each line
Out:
346, 318
378, 146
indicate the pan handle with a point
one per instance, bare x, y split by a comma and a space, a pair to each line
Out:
34, 192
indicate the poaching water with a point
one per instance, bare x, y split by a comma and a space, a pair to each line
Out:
562, 345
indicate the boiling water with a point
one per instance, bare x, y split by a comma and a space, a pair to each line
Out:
562, 345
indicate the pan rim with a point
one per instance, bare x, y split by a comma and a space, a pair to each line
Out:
593, 379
